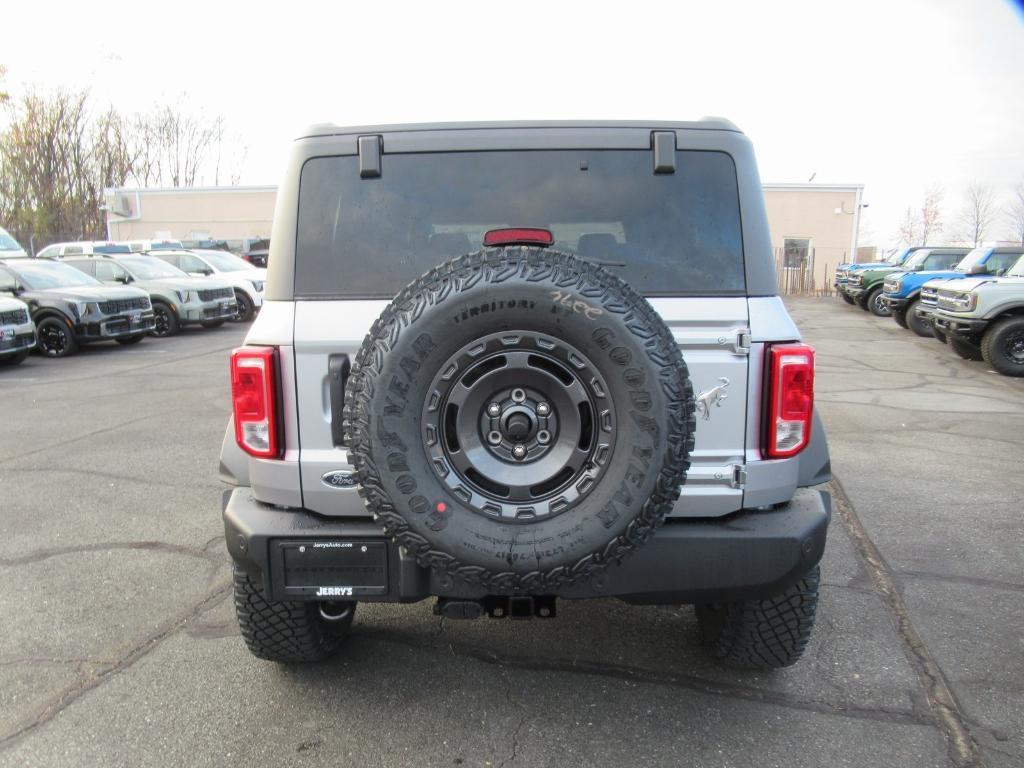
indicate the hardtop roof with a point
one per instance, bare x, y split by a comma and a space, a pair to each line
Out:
703, 124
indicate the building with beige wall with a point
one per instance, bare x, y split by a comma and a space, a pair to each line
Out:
813, 226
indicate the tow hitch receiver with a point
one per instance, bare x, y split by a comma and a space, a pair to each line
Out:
497, 607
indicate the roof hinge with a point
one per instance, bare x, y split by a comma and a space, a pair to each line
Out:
739, 476
664, 145
370, 149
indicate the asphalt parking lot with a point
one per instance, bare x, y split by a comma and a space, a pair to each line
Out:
119, 645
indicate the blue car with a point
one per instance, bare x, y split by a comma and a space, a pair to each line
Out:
843, 270
902, 290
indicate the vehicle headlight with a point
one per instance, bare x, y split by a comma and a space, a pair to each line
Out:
257, 285
78, 308
186, 296
855, 279
965, 302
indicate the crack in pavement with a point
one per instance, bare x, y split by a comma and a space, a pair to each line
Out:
660, 677
951, 722
71, 693
150, 546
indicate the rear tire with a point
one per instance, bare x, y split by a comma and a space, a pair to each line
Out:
875, 305
847, 299
916, 324
1002, 346
762, 634
287, 631
965, 349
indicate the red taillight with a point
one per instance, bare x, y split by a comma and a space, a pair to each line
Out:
254, 397
790, 399
519, 236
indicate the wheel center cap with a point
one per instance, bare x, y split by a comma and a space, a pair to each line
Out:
519, 426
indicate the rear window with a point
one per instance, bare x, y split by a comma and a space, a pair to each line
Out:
666, 234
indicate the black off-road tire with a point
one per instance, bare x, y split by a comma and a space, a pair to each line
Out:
901, 318
998, 343
528, 297
285, 631
847, 299
964, 349
762, 634
874, 303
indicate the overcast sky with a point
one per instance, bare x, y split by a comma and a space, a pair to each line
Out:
896, 95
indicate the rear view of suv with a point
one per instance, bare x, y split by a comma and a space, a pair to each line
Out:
500, 365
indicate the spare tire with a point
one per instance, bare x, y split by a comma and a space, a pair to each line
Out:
519, 419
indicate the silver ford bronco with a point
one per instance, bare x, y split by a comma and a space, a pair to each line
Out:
501, 364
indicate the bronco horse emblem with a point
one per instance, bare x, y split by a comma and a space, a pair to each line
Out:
713, 396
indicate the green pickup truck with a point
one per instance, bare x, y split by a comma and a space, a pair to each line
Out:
866, 286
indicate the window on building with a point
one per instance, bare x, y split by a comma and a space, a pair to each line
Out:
796, 252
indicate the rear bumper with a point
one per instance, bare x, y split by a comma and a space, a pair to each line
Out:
744, 556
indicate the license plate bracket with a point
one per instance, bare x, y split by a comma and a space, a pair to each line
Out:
329, 569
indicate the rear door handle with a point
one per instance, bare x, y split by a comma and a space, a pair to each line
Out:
338, 369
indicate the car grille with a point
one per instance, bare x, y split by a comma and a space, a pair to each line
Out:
946, 300
216, 293
14, 317
123, 305
929, 296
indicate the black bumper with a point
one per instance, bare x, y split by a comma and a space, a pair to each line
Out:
744, 556
115, 327
895, 303
960, 327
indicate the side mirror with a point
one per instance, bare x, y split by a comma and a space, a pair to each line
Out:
977, 269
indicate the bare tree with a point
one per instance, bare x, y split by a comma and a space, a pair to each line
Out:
978, 214
1015, 213
909, 228
931, 213
4, 95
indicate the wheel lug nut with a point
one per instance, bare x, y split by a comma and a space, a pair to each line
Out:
493, 410
543, 409
518, 395
519, 451
543, 437
494, 437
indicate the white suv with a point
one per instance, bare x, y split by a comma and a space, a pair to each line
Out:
247, 280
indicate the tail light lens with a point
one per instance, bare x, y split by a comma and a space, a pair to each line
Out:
519, 236
254, 399
790, 399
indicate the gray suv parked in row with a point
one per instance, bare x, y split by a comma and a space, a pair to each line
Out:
502, 364
70, 308
17, 331
178, 299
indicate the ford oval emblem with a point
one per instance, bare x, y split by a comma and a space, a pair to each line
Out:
339, 478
